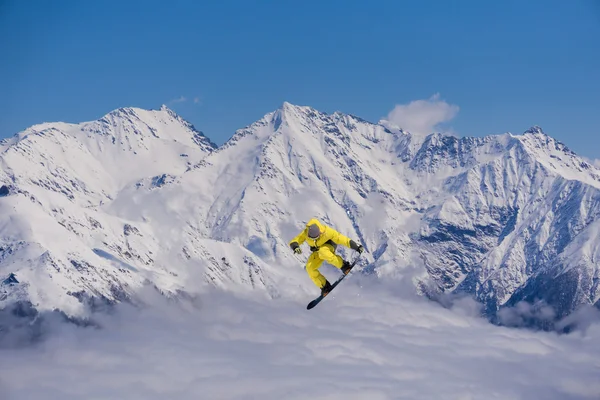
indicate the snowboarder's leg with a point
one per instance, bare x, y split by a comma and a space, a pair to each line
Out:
326, 254
312, 267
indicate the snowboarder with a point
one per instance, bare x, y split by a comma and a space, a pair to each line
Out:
323, 241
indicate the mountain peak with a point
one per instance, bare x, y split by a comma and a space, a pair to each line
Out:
122, 111
141, 113
170, 112
293, 109
291, 112
286, 105
535, 130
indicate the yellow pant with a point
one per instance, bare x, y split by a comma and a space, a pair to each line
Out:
325, 253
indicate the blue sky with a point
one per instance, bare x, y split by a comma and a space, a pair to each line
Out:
479, 66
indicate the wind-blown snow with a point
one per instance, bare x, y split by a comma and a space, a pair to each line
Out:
369, 340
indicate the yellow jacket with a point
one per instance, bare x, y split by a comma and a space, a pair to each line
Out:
328, 236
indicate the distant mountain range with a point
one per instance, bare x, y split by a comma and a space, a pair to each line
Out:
93, 212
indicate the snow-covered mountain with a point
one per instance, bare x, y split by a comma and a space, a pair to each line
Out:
101, 209
59, 245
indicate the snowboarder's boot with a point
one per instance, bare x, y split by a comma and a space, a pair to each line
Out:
346, 267
326, 289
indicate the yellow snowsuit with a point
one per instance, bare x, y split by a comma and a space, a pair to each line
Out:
323, 249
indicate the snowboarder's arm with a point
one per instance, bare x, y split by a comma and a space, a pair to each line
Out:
298, 239
344, 240
337, 237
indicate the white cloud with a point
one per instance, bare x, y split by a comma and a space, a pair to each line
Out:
362, 342
423, 116
597, 163
180, 99
183, 99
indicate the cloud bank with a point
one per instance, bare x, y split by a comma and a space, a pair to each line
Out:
423, 116
363, 342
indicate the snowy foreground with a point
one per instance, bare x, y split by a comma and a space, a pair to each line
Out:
369, 340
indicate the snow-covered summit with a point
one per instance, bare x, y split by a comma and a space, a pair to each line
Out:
103, 156
558, 158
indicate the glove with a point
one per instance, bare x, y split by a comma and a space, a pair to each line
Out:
356, 246
296, 248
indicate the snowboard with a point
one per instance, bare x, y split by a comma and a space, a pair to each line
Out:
316, 301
